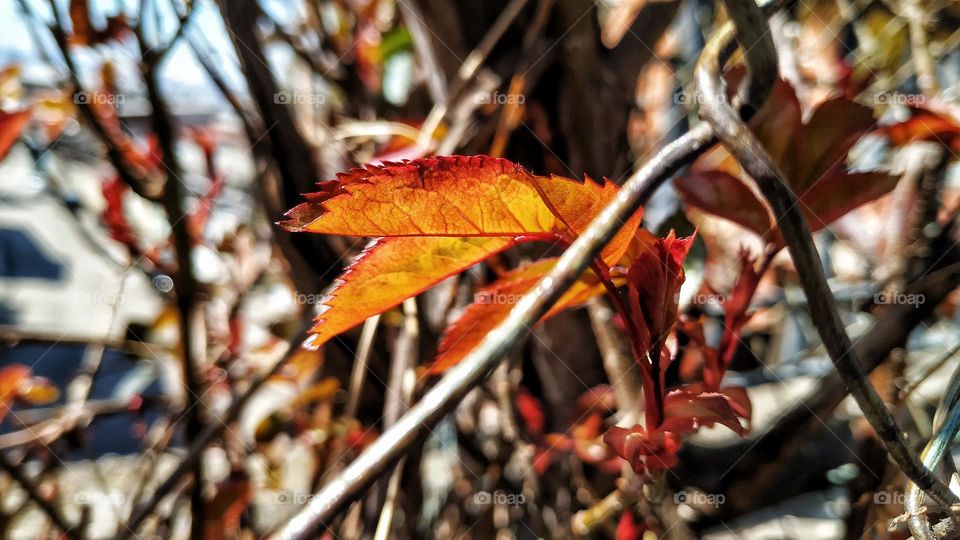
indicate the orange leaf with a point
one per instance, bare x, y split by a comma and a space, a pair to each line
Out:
390, 270
925, 125
441, 215
492, 305
17, 382
84, 33
454, 196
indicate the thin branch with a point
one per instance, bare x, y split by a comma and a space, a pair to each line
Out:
52, 511
622, 371
186, 286
194, 452
424, 49
138, 181
184, 21
736, 136
400, 389
251, 125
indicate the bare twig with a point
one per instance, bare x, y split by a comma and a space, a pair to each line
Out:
51, 510
424, 49
137, 180
186, 286
738, 139
622, 371
400, 390
195, 450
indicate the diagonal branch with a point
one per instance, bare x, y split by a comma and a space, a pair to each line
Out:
52, 511
138, 181
754, 38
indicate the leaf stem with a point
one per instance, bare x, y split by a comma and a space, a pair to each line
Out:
652, 393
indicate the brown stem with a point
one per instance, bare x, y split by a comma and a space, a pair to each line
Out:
738, 139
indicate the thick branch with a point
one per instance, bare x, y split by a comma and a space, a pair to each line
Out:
736, 136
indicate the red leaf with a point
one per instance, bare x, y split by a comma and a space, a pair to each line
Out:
720, 193
812, 157
114, 216
654, 281
11, 124
628, 528
531, 411
644, 452
688, 408
599, 399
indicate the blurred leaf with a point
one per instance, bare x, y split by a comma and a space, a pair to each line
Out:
719, 193
83, 31
686, 409
926, 125
11, 124
322, 391
226, 508
18, 382
531, 411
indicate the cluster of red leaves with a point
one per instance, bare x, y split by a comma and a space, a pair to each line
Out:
654, 280
436, 217
811, 154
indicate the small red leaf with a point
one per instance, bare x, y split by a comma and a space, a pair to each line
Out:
531, 411
687, 409
11, 124
645, 452
722, 194
654, 281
